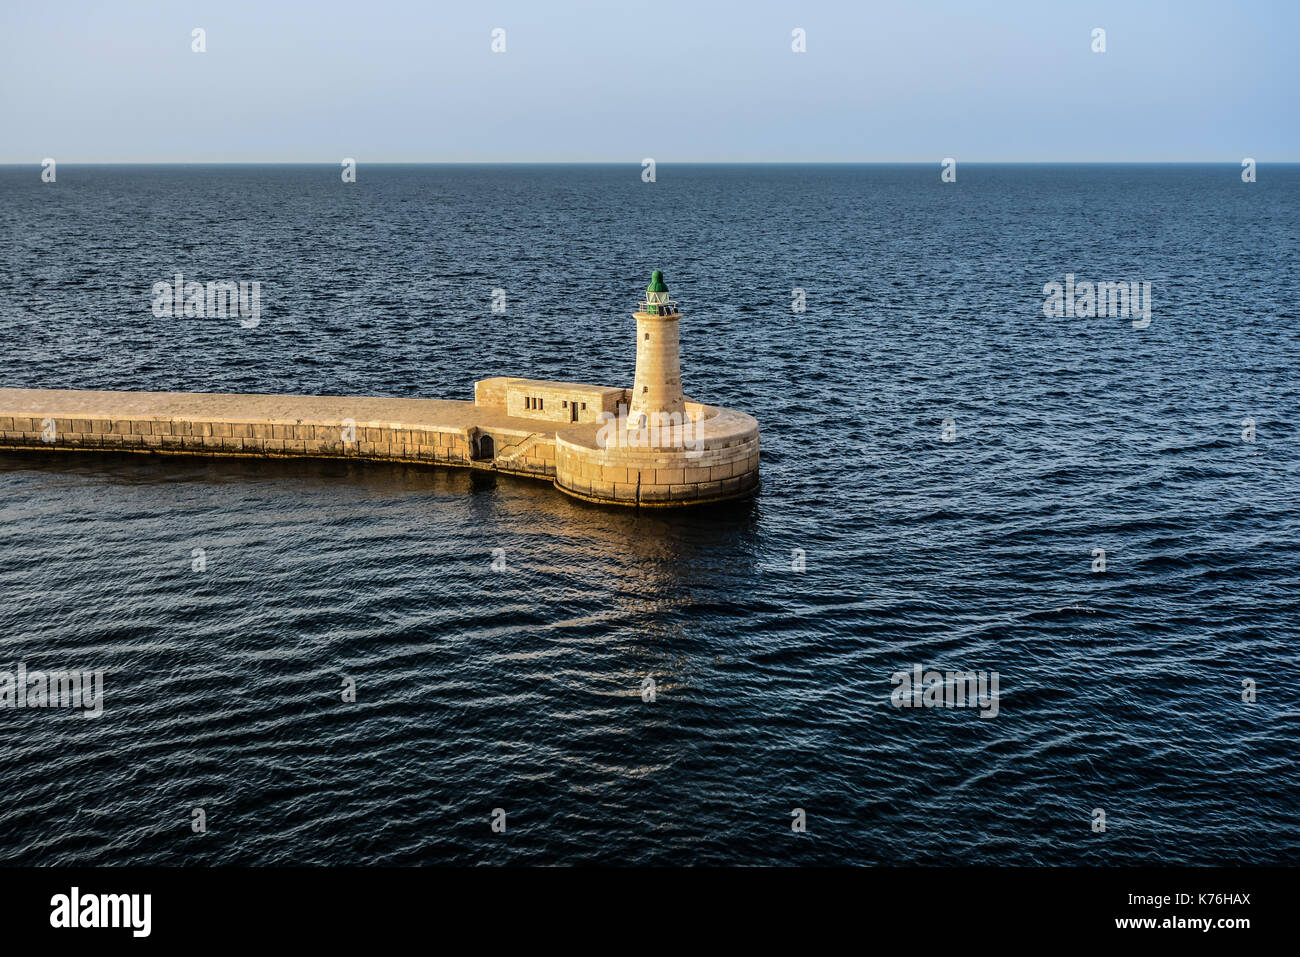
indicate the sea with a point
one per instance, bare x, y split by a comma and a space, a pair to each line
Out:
329, 663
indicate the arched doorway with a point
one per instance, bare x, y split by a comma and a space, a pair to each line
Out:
486, 448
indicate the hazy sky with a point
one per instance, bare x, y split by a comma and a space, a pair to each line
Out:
404, 80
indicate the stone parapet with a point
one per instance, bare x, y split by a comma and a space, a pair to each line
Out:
719, 461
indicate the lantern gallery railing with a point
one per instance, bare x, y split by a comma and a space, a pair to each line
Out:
668, 307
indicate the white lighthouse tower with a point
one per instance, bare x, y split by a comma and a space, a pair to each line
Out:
657, 388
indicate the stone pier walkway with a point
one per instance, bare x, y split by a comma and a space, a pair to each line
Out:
423, 430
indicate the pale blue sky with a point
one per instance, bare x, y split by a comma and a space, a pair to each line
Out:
401, 80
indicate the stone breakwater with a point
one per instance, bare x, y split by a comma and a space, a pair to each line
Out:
547, 430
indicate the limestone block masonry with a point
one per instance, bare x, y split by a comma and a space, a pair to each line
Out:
646, 446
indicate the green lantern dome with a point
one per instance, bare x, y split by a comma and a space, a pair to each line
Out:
657, 302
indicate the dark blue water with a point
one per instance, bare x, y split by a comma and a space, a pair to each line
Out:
521, 689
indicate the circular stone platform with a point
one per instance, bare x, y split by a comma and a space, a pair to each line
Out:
717, 460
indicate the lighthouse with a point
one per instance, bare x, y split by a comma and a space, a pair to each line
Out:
657, 388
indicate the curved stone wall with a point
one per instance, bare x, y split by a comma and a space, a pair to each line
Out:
720, 462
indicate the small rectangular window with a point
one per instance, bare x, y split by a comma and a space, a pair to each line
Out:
584, 407
541, 403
